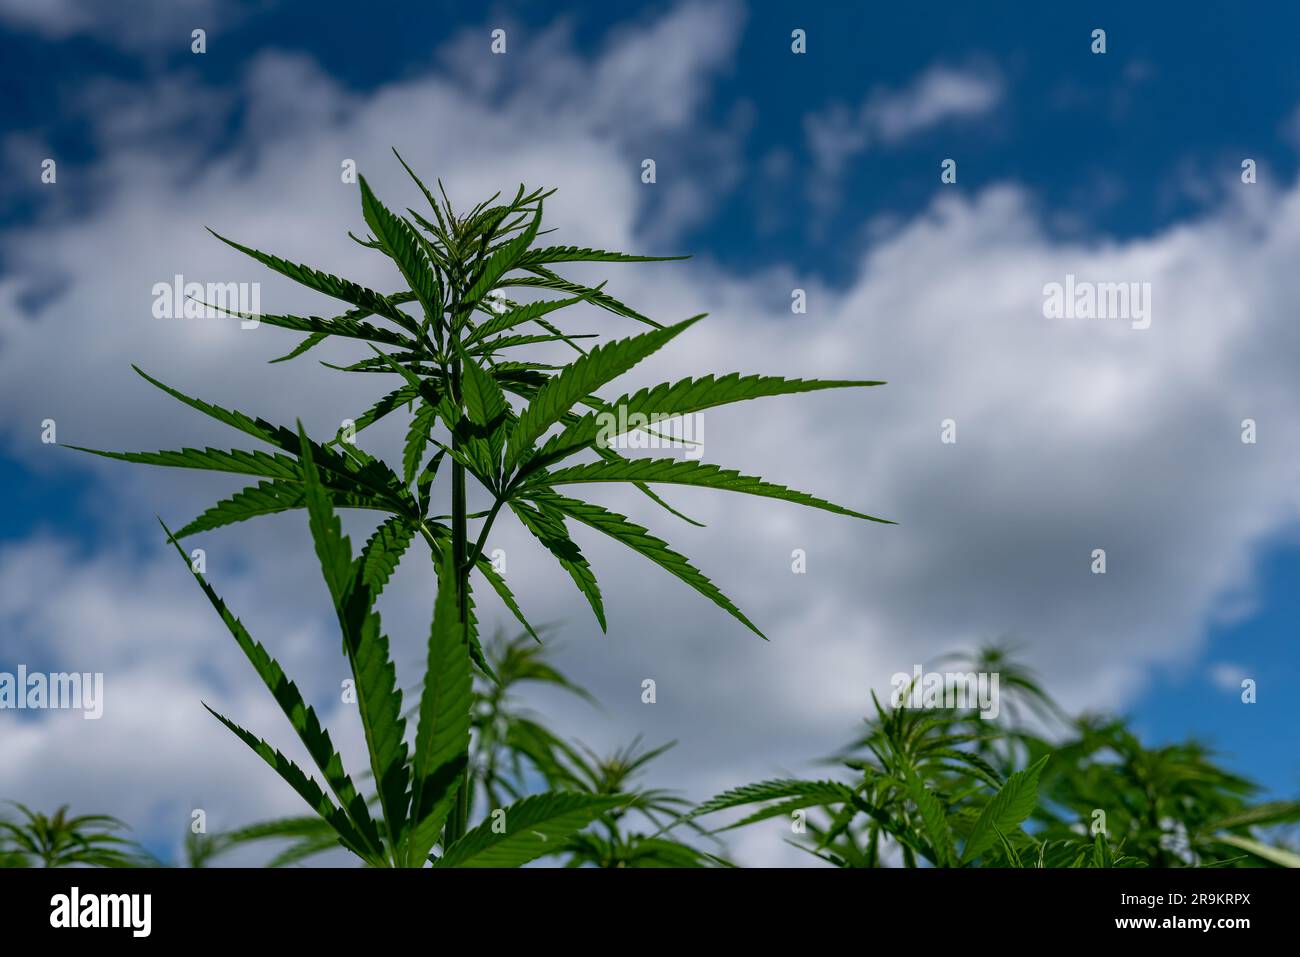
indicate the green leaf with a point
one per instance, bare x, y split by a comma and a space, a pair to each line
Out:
484, 401
1005, 810
1274, 855
301, 716
781, 809
487, 347
442, 735
415, 362
935, 820
354, 464
1013, 859
509, 319
547, 527
1101, 855
524, 380
258, 428
975, 766
385, 404
498, 583
654, 497
403, 247
657, 852
304, 785
382, 554
431, 389
531, 828
309, 342
576, 254
282, 827
569, 338
366, 299
379, 701
296, 853
1272, 812
417, 439
811, 793
346, 326
543, 278
501, 262
333, 549
640, 540
688, 472
268, 497
578, 380
418, 182
424, 483
237, 461
673, 399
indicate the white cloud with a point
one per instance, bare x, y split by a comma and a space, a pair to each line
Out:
1071, 435
885, 118
1227, 677
51, 18
939, 95
155, 754
153, 25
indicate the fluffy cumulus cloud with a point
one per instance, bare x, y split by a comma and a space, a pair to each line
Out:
1072, 434
886, 117
130, 24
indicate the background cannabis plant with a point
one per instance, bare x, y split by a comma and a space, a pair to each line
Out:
1164, 806
64, 840
460, 359
515, 753
944, 787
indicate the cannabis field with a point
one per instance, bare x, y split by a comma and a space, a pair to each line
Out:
912, 789
458, 772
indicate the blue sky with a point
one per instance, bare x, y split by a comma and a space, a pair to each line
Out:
1109, 140
776, 171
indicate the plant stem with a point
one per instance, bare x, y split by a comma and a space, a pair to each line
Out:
458, 820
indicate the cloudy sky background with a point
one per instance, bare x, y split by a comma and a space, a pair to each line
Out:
777, 172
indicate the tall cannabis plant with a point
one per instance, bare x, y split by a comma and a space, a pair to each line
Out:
456, 358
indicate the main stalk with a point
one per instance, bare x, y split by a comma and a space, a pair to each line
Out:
458, 820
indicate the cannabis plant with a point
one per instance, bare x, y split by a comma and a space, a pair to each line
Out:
63, 840
515, 754
458, 346
944, 787
308, 835
1172, 805
513, 746
918, 790
613, 841
514, 749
